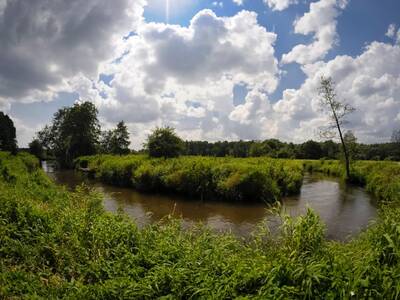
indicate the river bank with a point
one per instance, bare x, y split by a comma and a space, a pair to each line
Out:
332, 199
57, 243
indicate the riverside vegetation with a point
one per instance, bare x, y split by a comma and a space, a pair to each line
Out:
232, 179
56, 243
236, 179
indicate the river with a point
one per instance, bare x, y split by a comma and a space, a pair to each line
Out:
345, 209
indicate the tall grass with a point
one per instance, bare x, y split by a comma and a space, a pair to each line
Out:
60, 244
233, 179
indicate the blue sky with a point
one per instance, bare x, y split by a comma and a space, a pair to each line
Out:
268, 92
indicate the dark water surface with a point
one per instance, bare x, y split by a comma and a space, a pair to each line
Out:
345, 210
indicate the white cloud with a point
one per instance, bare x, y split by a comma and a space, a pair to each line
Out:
238, 2
184, 76
321, 22
44, 44
369, 82
279, 4
391, 33
218, 4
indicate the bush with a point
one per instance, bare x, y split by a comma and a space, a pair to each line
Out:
163, 142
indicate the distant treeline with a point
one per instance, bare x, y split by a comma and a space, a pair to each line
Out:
278, 149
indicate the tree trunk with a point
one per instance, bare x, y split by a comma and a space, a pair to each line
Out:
346, 154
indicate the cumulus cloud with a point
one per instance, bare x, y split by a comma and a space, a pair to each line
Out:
185, 76
369, 82
45, 43
279, 4
321, 22
393, 34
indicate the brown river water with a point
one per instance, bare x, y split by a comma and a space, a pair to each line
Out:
345, 209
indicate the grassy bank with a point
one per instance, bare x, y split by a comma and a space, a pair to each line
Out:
236, 179
232, 179
60, 244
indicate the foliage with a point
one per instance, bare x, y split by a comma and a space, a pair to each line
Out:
163, 142
60, 244
351, 143
36, 149
278, 149
74, 132
116, 141
311, 150
8, 140
251, 179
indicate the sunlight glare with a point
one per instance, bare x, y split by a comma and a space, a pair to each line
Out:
170, 9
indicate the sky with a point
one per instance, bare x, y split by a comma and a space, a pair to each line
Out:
214, 70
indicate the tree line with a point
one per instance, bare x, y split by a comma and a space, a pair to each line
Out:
278, 149
75, 131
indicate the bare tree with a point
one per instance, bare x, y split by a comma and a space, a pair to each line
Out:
338, 111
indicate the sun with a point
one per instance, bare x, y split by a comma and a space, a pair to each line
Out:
170, 9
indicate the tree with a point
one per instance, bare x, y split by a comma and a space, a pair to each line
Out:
351, 144
74, 132
338, 112
311, 150
258, 149
330, 149
36, 148
164, 142
8, 140
116, 141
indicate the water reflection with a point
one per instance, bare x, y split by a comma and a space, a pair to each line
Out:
345, 209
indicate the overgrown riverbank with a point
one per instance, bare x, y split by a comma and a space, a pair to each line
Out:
60, 244
236, 179
232, 179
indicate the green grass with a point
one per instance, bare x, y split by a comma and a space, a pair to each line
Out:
236, 179
232, 179
56, 243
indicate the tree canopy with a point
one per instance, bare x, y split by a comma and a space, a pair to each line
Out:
8, 140
36, 148
164, 142
116, 141
74, 132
